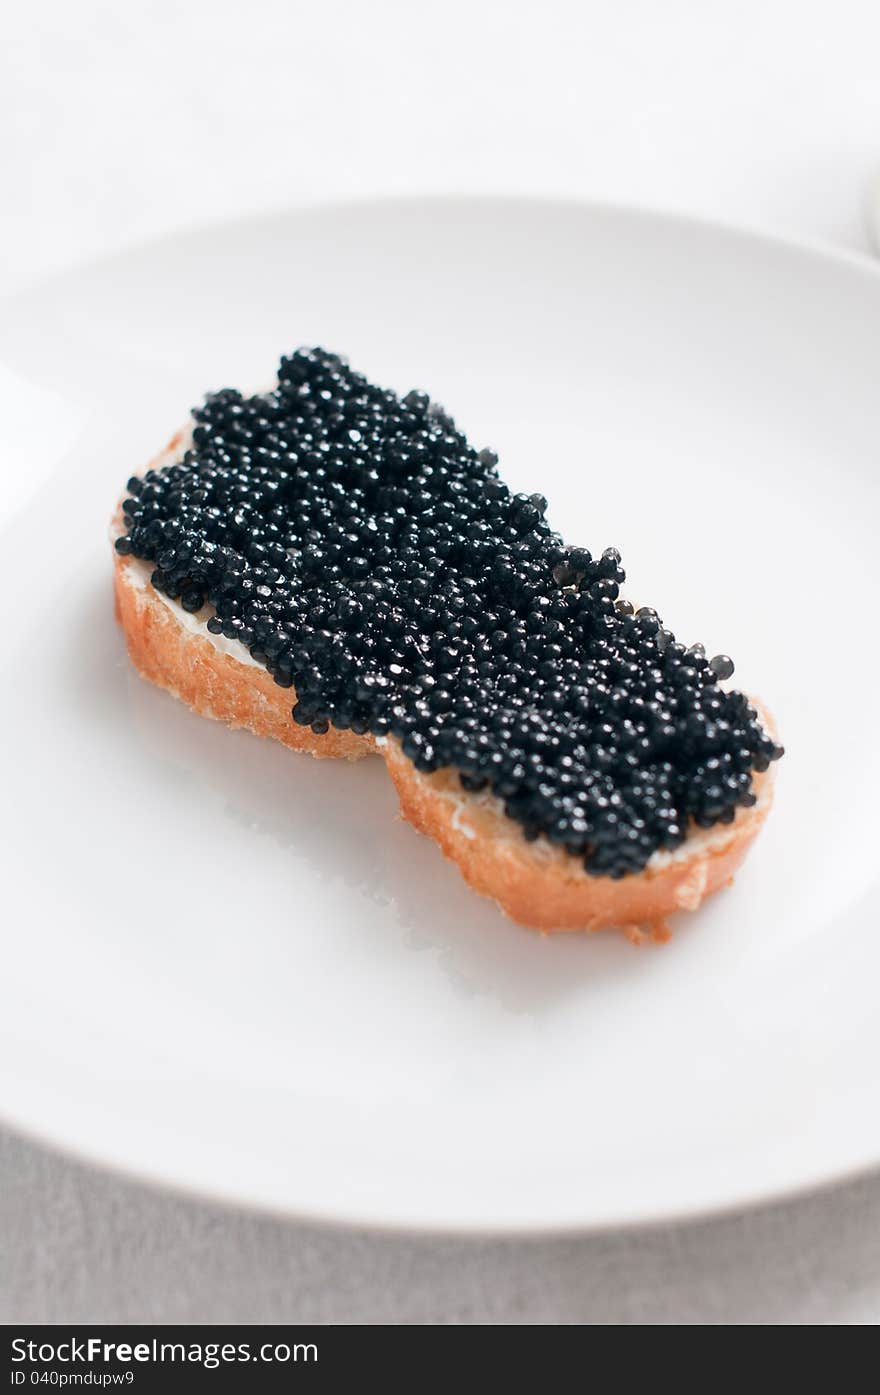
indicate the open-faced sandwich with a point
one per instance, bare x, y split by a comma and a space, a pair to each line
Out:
337, 567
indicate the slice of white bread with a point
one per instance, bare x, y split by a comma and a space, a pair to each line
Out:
535, 883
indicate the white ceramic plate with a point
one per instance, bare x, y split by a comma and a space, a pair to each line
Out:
229, 968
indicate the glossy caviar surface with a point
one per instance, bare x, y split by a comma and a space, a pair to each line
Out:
376, 564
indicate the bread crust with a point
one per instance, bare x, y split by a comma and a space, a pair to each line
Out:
213, 683
544, 888
535, 884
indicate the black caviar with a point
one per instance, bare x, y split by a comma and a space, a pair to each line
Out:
372, 559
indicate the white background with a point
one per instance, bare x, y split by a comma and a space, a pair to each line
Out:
122, 122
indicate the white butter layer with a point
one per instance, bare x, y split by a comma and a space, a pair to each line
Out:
138, 574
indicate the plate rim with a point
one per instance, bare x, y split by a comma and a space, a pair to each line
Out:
249, 1202
802, 243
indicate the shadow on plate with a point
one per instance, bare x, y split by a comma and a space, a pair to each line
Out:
339, 819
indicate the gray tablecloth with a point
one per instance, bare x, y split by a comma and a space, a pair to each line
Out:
79, 1246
